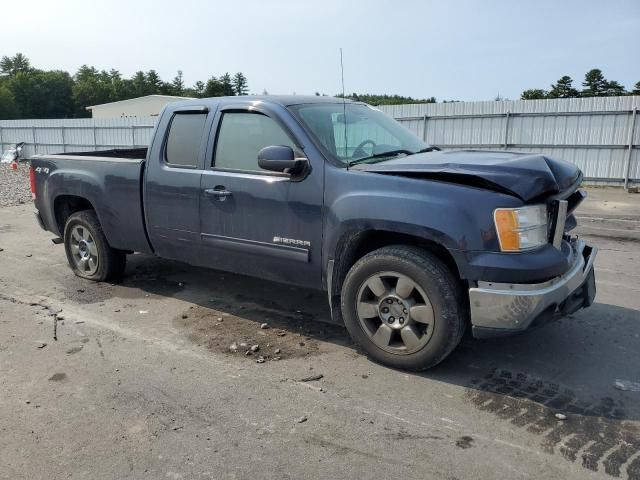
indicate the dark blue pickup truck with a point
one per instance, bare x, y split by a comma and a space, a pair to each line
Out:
412, 244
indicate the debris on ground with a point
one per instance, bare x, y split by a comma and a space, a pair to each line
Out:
255, 348
301, 419
260, 360
264, 326
627, 386
144, 312
312, 378
276, 351
40, 344
14, 185
233, 347
561, 416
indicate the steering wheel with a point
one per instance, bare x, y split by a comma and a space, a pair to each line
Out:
359, 152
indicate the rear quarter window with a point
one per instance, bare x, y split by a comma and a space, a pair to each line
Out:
184, 139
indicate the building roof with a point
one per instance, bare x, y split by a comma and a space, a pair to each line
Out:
133, 100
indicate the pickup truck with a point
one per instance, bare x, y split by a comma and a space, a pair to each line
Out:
412, 244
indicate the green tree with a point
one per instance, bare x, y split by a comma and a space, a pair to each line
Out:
153, 83
91, 87
227, 85
139, 86
177, 85
373, 99
198, 89
636, 89
12, 65
41, 94
595, 85
534, 94
563, 88
8, 109
240, 86
121, 89
614, 89
213, 88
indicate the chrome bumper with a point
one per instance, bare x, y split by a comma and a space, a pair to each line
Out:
502, 308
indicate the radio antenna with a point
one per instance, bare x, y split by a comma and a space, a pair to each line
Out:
344, 108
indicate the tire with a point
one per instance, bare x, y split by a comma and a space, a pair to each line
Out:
89, 254
418, 300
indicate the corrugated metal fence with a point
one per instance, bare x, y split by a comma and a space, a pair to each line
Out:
67, 135
600, 135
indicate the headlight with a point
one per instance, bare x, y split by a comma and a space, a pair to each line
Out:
521, 228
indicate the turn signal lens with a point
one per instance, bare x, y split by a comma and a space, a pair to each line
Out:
522, 228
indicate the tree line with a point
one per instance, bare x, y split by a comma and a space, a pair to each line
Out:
595, 85
376, 100
28, 92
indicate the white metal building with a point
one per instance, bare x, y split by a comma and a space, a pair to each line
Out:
148, 106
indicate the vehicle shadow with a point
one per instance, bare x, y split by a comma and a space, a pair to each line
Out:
570, 366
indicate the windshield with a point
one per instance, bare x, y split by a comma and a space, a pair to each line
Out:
357, 133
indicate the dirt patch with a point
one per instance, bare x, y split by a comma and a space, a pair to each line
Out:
285, 335
464, 442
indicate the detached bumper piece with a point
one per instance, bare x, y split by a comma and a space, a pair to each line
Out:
499, 309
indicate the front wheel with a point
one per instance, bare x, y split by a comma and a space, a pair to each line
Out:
404, 307
89, 254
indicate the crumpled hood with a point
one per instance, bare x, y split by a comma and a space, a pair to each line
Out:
524, 175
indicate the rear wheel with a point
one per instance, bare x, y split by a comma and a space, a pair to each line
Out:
89, 254
404, 307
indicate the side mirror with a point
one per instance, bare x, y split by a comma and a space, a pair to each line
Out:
280, 158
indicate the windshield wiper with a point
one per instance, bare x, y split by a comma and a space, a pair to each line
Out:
430, 148
389, 153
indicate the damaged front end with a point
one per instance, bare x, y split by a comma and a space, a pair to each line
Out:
506, 308
504, 298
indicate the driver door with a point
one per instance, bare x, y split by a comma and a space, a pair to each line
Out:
253, 221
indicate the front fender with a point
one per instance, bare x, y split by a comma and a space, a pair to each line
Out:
456, 217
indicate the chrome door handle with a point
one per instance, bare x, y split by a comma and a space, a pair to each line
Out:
219, 193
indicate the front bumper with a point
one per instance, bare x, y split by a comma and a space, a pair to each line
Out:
505, 308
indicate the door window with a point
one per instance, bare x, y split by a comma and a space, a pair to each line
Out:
183, 141
242, 135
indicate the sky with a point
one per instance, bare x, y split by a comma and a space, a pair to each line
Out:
450, 49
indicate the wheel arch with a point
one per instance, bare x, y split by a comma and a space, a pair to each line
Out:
356, 244
65, 205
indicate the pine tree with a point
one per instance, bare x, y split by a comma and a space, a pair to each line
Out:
563, 88
614, 89
177, 85
198, 89
240, 86
15, 64
227, 85
636, 89
213, 88
154, 84
595, 84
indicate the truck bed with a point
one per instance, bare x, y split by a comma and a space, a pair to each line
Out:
110, 180
120, 153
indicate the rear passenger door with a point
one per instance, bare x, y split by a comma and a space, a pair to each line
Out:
253, 221
172, 183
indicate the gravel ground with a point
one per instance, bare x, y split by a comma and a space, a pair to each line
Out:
14, 185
